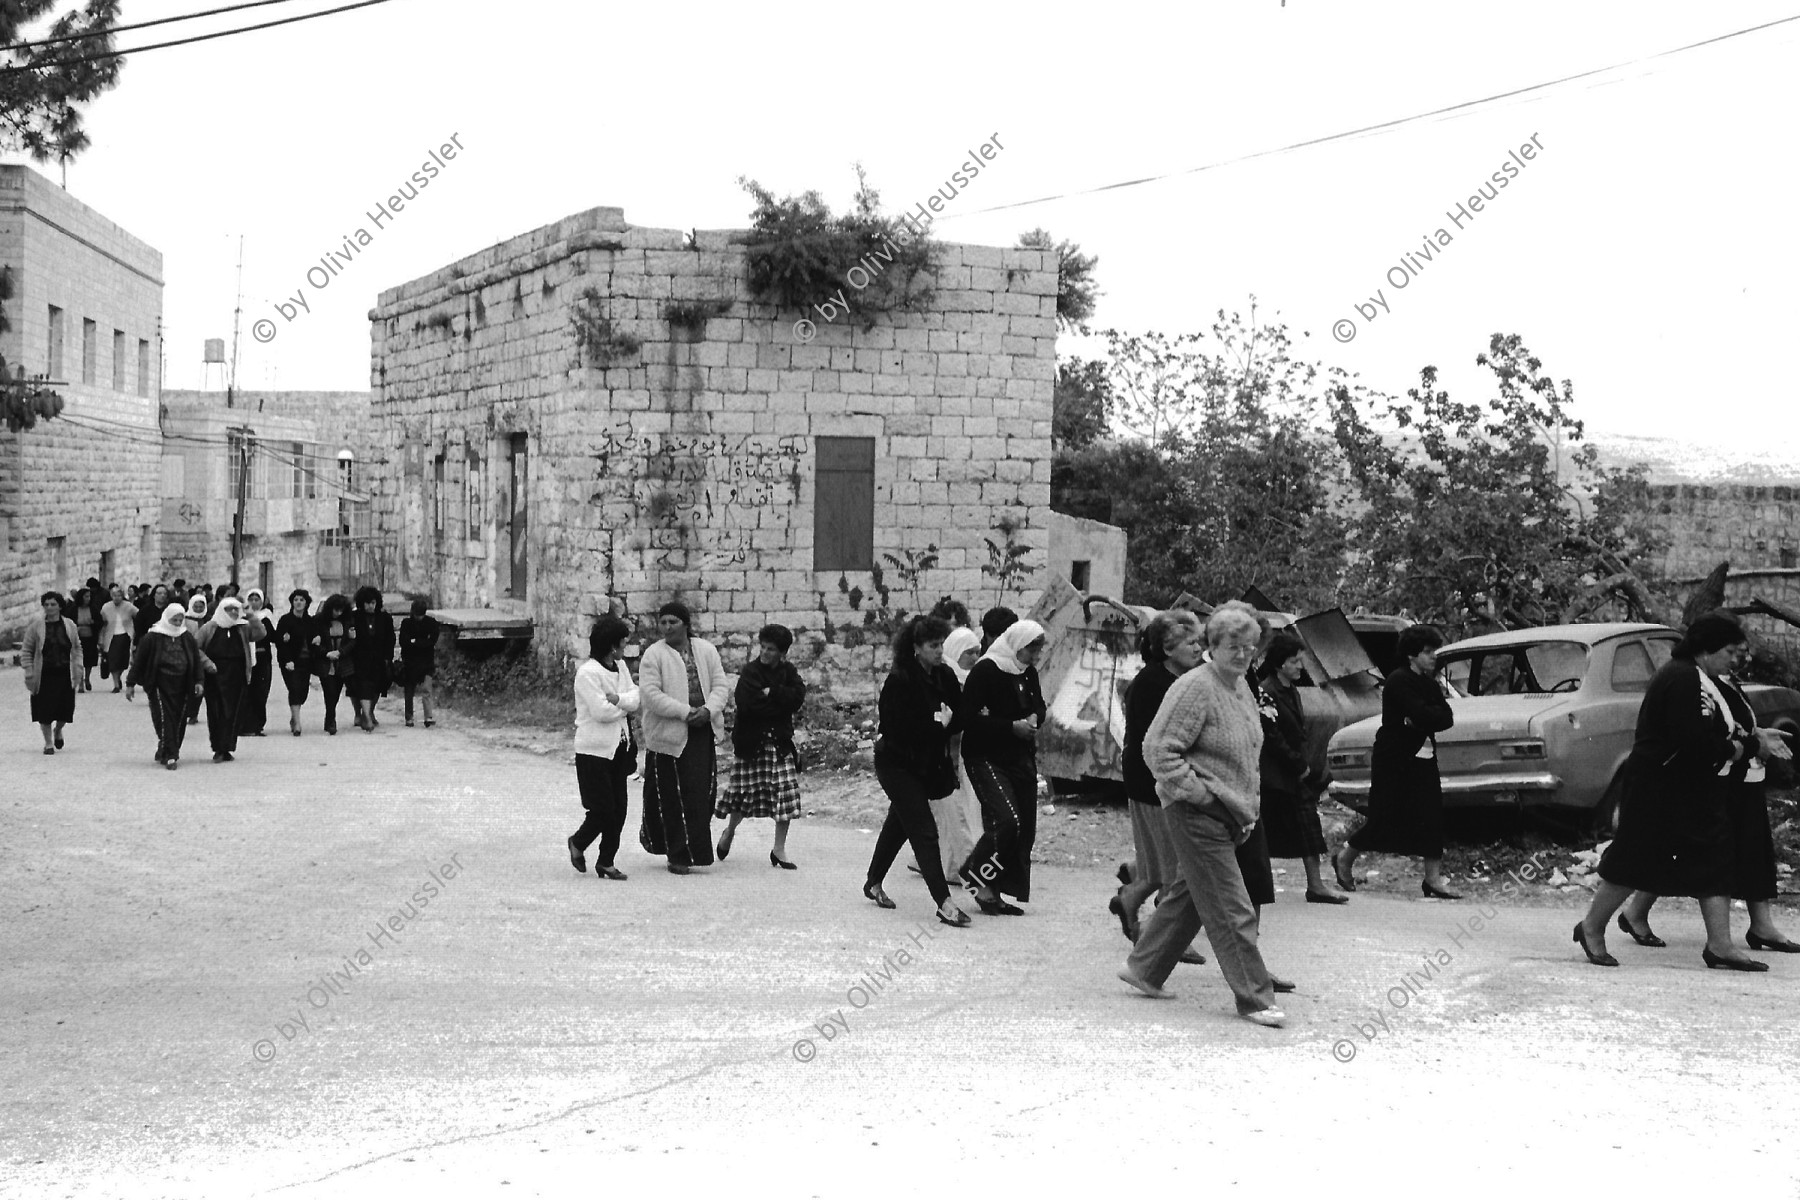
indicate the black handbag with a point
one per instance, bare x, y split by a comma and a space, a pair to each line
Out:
941, 780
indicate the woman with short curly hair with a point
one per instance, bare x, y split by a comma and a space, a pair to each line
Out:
765, 775
604, 755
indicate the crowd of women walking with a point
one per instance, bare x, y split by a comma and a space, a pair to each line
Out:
213, 652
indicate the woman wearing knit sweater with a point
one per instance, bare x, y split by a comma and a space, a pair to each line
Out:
685, 690
1002, 710
604, 756
1203, 749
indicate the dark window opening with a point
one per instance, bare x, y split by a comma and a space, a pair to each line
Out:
1079, 570
844, 504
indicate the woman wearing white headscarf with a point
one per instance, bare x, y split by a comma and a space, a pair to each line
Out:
256, 701
230, 641
170, 665
198, 609
1002, 710
958, 815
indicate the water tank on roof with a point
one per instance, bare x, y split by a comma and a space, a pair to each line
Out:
215, 350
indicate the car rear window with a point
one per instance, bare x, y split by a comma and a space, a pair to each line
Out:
1632, 668
1516, 670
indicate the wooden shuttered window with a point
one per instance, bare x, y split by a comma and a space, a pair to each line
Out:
844, 504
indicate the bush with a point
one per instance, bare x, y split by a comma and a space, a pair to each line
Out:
507, 686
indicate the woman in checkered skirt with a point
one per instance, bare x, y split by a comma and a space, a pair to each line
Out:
765, 778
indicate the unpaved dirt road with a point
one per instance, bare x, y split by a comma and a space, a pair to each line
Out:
214, 986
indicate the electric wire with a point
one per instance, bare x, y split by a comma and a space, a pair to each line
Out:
187, 41
100, 33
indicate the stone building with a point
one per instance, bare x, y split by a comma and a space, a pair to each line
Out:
1089, 554
1747, 525
824, 484
307, 518
78, 493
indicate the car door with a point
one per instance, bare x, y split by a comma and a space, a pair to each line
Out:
1606, 719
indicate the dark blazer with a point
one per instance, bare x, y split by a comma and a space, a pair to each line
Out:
992, 701
910, 734
373, 649
768, 717
294, 637
345, 665
418, 648
1284, 737
153, 648
1413, 712
1143, 697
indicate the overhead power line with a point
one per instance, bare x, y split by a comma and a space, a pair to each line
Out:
203, 37
1379, 126
100, 33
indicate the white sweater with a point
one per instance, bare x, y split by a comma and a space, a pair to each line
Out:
600, 725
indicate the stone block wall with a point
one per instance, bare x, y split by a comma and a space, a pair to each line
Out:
84, 485
1101, 546
1776, 585
689, 467
1747, 526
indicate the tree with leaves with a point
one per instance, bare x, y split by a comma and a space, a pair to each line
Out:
1081, 406
1477, 515
50, 72
1076, 292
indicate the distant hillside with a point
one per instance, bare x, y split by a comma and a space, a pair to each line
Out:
1673, 461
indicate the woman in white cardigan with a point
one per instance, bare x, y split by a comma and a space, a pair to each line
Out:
684, 691
604, 755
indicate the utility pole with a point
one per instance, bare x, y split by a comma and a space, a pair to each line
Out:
243, 448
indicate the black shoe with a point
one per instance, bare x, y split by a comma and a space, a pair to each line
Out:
1124, 874
680, 869
1281, 985
1602, 959
577, 859
998, 908
723, 849
609, 873
1325, 898
1645, 938
49, 749
220, 757
331, 729
783, 863
1779, 945
1128, 923
1344, 878
1436, 893
1732, 964
169, 764
873, 891
963, 920
1192, 957
59, 741
409, 723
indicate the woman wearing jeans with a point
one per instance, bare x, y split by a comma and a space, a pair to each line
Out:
919, 706
604, 756
1203, 748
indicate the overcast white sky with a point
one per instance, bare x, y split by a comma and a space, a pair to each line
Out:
1649, 253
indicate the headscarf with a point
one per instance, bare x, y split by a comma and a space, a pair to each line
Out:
676, 608
1004, 653
962, 639
196, 607
230, 614
256, 604
166, 626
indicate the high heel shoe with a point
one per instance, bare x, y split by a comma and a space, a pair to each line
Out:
723, 849
1732, 964
963, 920
1344, 879
1602, 959
1645, 938
1436, 893
576, 858
873, 891
783, 863
998, 908
1779, 945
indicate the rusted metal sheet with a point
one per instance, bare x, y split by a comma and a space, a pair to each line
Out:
1089, 659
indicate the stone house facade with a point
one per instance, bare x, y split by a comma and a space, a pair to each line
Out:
822, 483
78, 493
306, 507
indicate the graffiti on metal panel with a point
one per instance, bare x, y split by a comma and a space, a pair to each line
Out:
1084, 731
692, 500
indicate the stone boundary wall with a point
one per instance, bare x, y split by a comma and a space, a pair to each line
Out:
1776, 585
1749, 526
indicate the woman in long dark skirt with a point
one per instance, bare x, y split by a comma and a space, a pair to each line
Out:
150, 611
684, 691
1675, 834
169, 664
920, 711
1752, 842
1406, 798
230, 642
51, 656
1002, 710
296, 642
604, 756
1290, 794
765, 768
255, 718
373, 655
86, 611
334, 637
